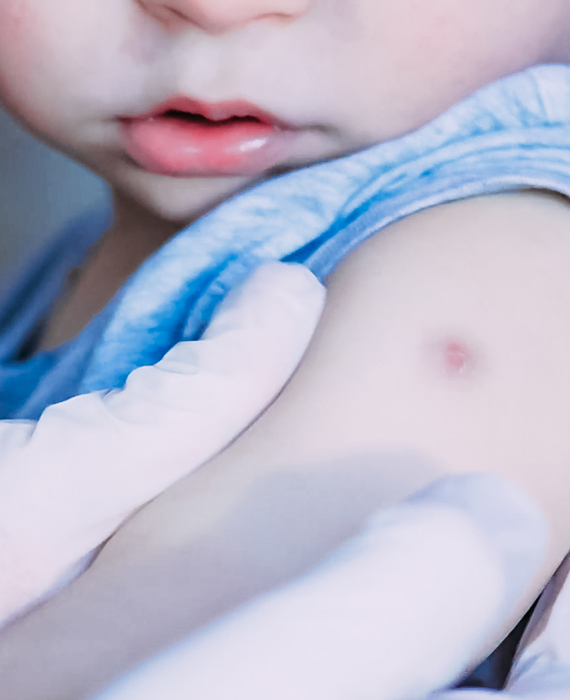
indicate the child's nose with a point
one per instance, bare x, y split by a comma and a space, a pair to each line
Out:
219, 16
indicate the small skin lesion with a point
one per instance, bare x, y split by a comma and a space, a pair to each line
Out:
453, 357
457, 358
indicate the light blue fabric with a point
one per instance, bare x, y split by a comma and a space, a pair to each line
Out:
513, 134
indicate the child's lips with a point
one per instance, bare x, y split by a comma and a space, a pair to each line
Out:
187, 138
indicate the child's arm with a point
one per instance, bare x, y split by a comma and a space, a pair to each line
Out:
69, 480
444, 348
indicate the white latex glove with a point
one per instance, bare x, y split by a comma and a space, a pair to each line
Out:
395, 613
69, 480
542, 670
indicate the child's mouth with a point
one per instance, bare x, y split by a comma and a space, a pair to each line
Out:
186, 138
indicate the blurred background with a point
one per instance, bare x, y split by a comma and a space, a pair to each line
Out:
39, 191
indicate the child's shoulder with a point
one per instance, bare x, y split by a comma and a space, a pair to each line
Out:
535, 217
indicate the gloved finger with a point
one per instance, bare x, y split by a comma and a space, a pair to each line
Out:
394, 614
260, 332
68, 482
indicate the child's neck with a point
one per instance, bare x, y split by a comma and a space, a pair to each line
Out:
134, 236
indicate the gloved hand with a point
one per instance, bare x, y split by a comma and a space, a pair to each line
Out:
68, 481
395, 613
542, 670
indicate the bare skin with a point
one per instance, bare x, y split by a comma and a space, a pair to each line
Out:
378, 408
106, 270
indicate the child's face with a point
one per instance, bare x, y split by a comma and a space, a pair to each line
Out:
319, 78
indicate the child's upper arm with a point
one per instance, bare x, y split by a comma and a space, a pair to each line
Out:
443, 348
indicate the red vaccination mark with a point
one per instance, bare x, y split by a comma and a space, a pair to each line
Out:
457, 358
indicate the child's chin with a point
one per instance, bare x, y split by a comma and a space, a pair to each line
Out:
178, 199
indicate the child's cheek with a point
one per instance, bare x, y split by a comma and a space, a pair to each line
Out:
19, 55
